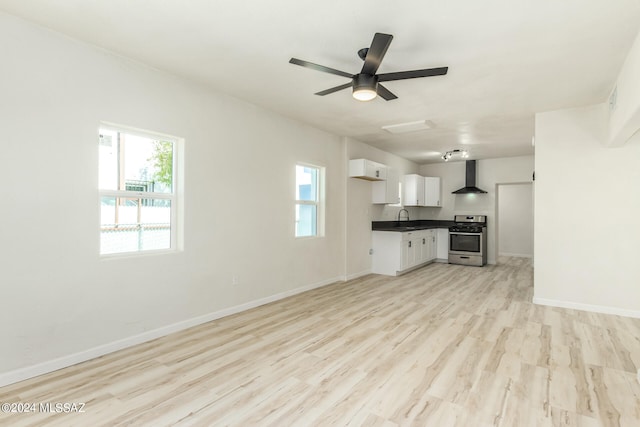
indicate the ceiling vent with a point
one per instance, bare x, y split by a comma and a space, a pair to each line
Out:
410, 126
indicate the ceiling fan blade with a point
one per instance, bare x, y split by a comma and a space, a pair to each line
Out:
429, 72
334, 89
376, 52
385, 93
317, 67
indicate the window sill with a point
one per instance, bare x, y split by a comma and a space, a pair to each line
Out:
308, 237
140, 254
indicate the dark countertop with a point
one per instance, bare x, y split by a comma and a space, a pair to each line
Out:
402, 226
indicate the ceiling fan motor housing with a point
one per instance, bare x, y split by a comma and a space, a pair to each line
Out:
365, 81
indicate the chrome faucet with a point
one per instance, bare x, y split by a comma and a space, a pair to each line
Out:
400, 212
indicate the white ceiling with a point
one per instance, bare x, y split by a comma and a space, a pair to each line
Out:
507, 59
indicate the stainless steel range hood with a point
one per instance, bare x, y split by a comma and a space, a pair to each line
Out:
470, 180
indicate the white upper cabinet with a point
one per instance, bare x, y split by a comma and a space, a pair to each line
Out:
413, 189
386, 192
366, 169
421, 191
432, 191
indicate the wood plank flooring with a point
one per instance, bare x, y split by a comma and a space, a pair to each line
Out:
442, 346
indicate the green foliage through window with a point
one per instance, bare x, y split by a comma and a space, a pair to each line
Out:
162, 159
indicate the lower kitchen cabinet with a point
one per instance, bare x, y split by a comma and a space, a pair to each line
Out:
430, 242
395, 253
442, 244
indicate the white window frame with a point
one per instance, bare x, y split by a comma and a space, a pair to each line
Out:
318, 203
175, 236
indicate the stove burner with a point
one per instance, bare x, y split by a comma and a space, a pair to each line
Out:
469, 223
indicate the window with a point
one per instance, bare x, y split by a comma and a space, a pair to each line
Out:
137, 191
308, 196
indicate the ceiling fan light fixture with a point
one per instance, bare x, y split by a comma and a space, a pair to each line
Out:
365, 87
364, 94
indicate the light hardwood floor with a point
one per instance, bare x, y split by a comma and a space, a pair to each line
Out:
442, 346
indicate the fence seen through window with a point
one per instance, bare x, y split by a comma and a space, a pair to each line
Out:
137, 202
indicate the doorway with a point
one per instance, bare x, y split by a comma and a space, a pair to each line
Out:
514, 225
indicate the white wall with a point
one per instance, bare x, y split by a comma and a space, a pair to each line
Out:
360, 212
624, 118
490, 173
587, 205
58, 297
515, 220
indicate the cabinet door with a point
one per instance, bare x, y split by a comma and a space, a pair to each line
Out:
408, 254
416, 244
387, 252
425, 244
433, 249
413, 190
386, 192
366, 169
432, 191
376, 170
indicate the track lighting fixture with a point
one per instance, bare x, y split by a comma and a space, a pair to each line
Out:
463, 153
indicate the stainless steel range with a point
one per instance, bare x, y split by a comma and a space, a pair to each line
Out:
468, 240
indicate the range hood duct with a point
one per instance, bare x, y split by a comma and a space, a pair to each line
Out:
470, 180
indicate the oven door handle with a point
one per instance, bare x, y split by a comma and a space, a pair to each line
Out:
464, 234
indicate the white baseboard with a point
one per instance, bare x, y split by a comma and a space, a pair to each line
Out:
587, 307
516, 255
22, 374
356, 275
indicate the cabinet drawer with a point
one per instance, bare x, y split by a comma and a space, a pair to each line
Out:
418, 234
465, 259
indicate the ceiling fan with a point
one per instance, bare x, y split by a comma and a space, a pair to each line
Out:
366, 84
